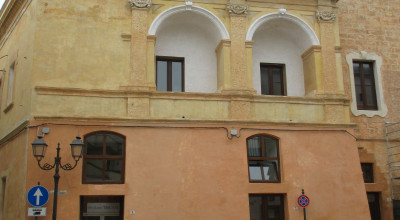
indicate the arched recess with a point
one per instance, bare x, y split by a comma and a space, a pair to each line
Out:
283, 39
191, 33
182, 8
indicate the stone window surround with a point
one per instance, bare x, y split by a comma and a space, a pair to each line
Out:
364, 56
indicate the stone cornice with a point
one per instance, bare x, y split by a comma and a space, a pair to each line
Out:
328, 99
14, 132
140, 3
10, 14
314, 48
196, 122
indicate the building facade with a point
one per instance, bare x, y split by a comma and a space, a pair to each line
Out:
202, 110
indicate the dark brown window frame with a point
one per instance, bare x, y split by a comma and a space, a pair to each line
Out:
270, 78
169, 61
363, 99
103, 157
263, 159
368, 177
265, 198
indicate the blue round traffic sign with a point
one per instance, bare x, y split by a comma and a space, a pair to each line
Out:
303, 201
38, 196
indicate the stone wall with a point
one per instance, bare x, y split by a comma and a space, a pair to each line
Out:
373, 26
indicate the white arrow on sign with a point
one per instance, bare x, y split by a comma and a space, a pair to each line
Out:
38, 194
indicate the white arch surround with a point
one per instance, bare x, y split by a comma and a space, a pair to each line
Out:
177, 9
272, 16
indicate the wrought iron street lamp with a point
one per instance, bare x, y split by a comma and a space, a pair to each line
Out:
39, 149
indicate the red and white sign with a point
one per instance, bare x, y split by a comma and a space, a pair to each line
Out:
303, 201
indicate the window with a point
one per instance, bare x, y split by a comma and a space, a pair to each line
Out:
272, 79
104, 158
266, 207
365, 85
11, 82
368, 172
263, 158
170, 74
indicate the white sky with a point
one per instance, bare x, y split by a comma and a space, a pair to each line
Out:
1, 3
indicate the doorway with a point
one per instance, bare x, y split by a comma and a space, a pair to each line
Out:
374, 205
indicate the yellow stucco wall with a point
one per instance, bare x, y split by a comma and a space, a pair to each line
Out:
78, 44
18, 49
86, 49
83, 45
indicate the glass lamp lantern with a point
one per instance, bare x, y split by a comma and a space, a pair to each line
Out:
39, 148
76, 148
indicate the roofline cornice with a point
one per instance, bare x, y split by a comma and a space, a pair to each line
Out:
10, 14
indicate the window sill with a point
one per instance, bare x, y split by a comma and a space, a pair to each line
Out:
265, 182
102, 183
369, 113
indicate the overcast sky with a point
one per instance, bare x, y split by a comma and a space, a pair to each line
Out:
1, 3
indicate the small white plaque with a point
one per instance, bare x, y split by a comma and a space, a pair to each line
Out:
37, 211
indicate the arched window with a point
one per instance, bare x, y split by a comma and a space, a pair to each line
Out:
104, 158
263, 158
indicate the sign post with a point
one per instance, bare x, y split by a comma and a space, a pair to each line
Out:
303, 201
37, 197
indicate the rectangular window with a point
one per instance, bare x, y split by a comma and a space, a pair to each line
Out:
364, 81
368, 172
266, 207
11, 81
170, 74
272, 79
